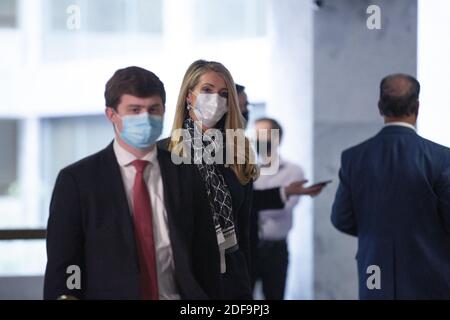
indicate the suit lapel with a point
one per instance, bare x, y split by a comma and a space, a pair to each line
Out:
114, 179
171, 183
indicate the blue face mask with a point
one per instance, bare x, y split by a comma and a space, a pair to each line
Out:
142, 130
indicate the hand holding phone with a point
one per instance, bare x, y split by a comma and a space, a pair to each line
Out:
320, 183
297, 188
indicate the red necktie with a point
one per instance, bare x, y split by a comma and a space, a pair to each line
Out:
143, 229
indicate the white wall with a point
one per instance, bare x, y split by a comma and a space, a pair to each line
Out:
434, 70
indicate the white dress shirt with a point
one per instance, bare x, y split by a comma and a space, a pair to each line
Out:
275, 224
152, 175
401, 124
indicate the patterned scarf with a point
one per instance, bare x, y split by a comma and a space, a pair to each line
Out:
220, 201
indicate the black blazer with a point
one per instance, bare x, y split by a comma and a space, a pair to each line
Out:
235, 283
394, 195
90, 226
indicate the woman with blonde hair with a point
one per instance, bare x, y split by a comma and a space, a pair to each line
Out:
208, 101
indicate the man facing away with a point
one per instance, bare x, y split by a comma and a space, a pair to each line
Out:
120, 222
394, 195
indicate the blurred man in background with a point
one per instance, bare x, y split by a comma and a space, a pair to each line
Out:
243, 102
274, 224
274, 198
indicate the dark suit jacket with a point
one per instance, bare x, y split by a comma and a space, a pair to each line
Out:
235, 283
90, 226
394, 195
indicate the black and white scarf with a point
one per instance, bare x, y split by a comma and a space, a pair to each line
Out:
220, 201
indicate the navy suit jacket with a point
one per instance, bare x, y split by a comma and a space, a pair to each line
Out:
394, 195
90, 226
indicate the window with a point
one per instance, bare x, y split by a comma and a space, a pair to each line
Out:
61, 142
64, 141
256, 110
10, 204
8, 157
141, 16
8, 14
17, 257
99, 29
230, 18
22, 257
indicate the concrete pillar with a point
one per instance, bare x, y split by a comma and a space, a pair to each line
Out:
349, 62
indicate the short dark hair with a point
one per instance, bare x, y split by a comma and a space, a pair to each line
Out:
134, 81
396, 99
273, 123
239, 88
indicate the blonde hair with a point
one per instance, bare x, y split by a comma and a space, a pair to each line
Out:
246, 171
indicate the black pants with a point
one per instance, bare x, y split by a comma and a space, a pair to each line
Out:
271, 268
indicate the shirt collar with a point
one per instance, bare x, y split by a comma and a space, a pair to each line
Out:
401, 124
124, 158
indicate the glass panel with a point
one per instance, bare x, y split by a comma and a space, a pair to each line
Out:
22, 257
149, 16
64, 141
57, 12
109, 15
10, 205
8, 13
106, 15
8, 157
230, 18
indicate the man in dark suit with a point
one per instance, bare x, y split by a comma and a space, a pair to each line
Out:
394, 195
122, 222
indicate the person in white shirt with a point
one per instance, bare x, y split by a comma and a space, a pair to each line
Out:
274, 194
274, 224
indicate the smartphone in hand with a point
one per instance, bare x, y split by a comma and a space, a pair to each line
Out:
320, 183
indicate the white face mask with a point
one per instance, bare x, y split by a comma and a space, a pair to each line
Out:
209, 108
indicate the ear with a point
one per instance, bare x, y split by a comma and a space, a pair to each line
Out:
190, 98
379, 109
114, 119
109, 113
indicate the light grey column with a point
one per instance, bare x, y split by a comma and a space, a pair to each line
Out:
349, 62
290, 102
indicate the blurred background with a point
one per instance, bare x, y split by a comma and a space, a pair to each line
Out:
313, 65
